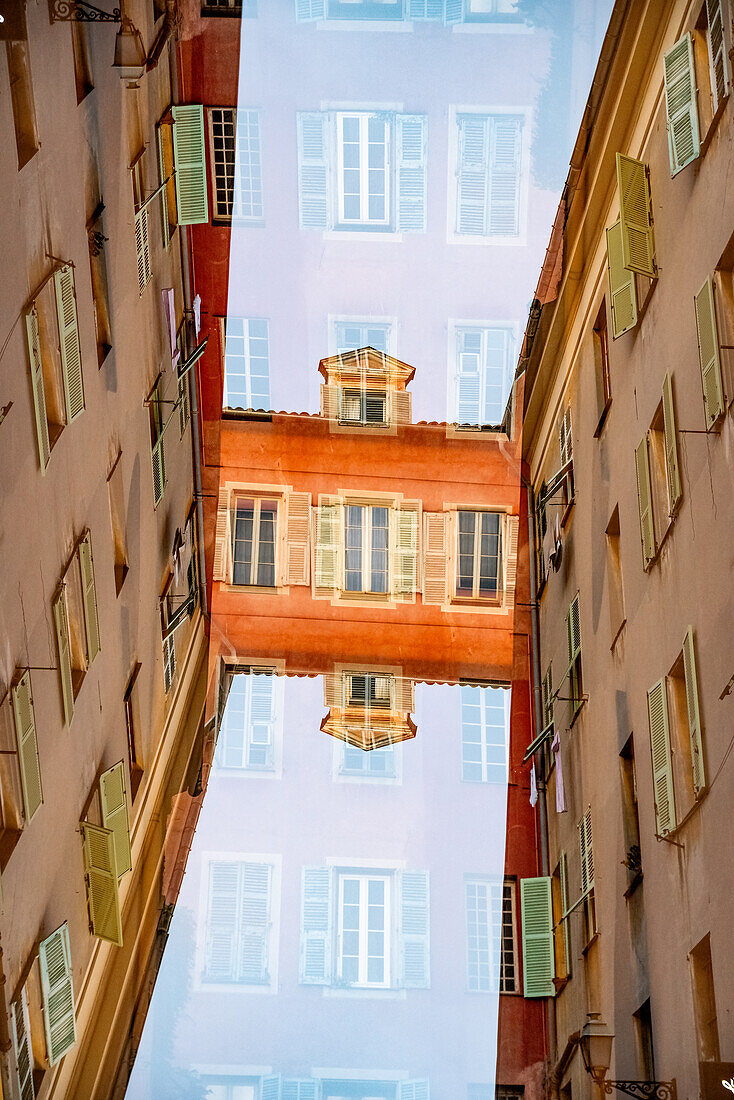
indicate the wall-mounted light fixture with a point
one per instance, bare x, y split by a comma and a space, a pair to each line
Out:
596, 1041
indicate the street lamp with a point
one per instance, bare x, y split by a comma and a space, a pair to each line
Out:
596, 1041
130, 55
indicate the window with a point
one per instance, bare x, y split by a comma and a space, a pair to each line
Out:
369, 711
239, 923
257, 547
709, 356
630, 813
483, 358
189, 158
132, 712
368, 691
364, 9
491, 935
236, 1088
42, 1023
614, 576
76, 622
363, 930
547, 696
98, 272
575, 674
484, 734
508, 1092
643, 1035
252, 723
182, 400
167, 177
622, 285
363, 406
366, 541
367, 764
254, 534
561, 924
57, 990
565, 436
116, 498
485, 11
635, 216
355, 543
240, 8
27, 746
586, 856
246, 364
234, 145
21, 96
478, 555
659, 486
157, 451
107, 857
352, 335
704, 1001
488, 175
601, 366
469, 556
82, 68
374, 181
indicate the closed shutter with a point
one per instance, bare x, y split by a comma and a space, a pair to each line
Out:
675, 490
330, 402
316, 908
411, 166
221, 925
270, 1087
401, 403
89, 596
299, 1088
313, 195
504, 182
454, 11
573, 629
223, 539
425, 9
694, 716
405, 694
565, 436
417, 1089
717, 52
468, 386
414, 929
708, 354
644, 500
536, 906
54, 956
71, 355
622, 286
662, 764
680, 104
158, 460
635, 216
404, 542
473, 175
21, 1036
254, 924
37, 385
100, 871
307, 10
189, 159
25, 731
563, 873
113, 796
183, 404
509, 538
142, 248
298, 552
587, 853
327, 575
61, 622
435, 557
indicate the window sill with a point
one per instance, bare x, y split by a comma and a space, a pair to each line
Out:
258, 589
362, 992
353, 234
585, 950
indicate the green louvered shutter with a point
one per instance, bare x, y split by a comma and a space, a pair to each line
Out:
21, 1035
415, 930
694, 716
563, 873
675, 490
573, 630
25, 730
100, 872
54, 956
644, 499
708, 353
61, 622
586, 851
717, 51
158, 461
71, 355
411, 171
316, 908
89, 596
662, 764
162, 172
635, 216
113, 797
327, 573
536, 907
404, 541
680, 104
622, 287
37, 385
313, 170
189, 158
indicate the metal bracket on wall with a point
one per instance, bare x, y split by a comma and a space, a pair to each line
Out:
661, 1090
80, 11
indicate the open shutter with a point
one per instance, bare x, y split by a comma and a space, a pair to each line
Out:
333, 689
694, 716
54, 956
189, 159
89, 596
142, 248
158, 460
708, 353
473, 175
25, 731
39, 390
565, 436
644, 499
254, 923
586, 852
414, 929
536, 906
511, 525
100, 871
504, 180
316, 907
299, 1088
327, 574
113, 797
404, 541
313, 169
416, 1089
223, 539
307, 10
270, 1087
675, 490
71, 355
164, 198
622, 286
435, 557
425, 9
405, 694
717, 52
61, 622
411, 131
453, 11
635, 216
221, 927
680, 104
298, 523
468, 387
563, 872
330, 402
21, 1036
662, 764
574, 631
402, 404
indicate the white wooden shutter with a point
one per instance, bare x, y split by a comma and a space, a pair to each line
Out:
565, 436
57, 988
71, 355
254, 930
333, 689
299, 1088
100, 872
61, 621
316, 909
586, 853
425, 9
113, 797
414, 1089
270, 1087
298, 550
414, 929
402, 407
473, 175
313, 169
622, 285
694, 716
308, 10
223, 538
411, 167
680, 104
468, 386
189, 158
635, 216
536, 906
25, 731
504, 179
329, 537
158, 461
675, 490
717, 52
454, 11
330, 402
37, 386
509, 537
662, 764
21, 1035
435, 557
644, 499
89, 596
404, 545
405, 694
221, 925
142, 248
708, 354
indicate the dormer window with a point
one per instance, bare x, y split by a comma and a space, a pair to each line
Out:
365, 388
363, 407
365, 689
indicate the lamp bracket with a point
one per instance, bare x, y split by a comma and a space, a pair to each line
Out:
660, 1090
80, 11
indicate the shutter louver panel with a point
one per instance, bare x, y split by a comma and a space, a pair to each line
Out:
644, 498
536, 906
402, 406
308, 10
680, 104
333, 690
223, 539
330, 402
221, 927
453, 11
635, 216
113, 796
254, 924
189, 159
142, 248
435, 557
404, 523
504, 185
299, 1088
662, 765
298, 550
411, 164
158, 460
425, 9
563, 873
708, 354
622, 286
315, 957
587, 853
717, 52
405, 694
100, 871
694, 716
61, 622
327, 573
574, 630
468, 389
675, 490
414, 929
21, 1036
25, 730
89, 597
57, 988
509, 558
270, 1087
473, 175
38, 387
414, 1090
71, 355
162, 170
313, 192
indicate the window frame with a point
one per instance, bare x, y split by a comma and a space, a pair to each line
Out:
236, 168
484, 742
491, 116
364, 222
366, 546
386, 325
475, 597
272, 766
257, 500
230, 359
271, 936
365, 879
494, 932
458, 330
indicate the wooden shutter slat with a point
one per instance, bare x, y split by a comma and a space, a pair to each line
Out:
223, 539
308, 10
189, 158
25, 730
473, 175
644, 498
586, 853
662, 765
511, 527
298, 551
411, 173
717, 52
435, 557
142, 248
38, 387
113, 797
536, 907
708, 353
329, 536
21, 1036
89, 596
415, 929
565, 903
680, 104
100, 870
694, 716
622, 286
71, 355
61, 621
504, 178
404, 541
402, 407
221, 925
675, 490
330, 402
313, 170
635, 216
316, 912
254, 927
57, 988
